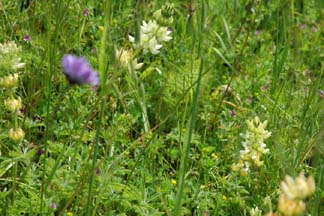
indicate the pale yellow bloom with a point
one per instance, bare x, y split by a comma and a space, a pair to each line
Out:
16, 135
290, 207
13, 105
125, 56
255, 212
9, 56
9, 81
292, 194
298, 188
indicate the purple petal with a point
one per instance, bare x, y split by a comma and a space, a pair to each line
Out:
78, 71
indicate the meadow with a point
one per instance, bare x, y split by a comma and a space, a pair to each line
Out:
139, 107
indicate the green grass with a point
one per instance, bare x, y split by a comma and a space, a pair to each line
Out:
162, 139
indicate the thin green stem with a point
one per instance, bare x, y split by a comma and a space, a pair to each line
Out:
103, 68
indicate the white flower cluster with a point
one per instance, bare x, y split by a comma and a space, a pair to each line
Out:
9, 56
151, 37
254, 146
292, 193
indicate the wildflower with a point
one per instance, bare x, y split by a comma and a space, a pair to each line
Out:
101, 28
41, 151
292, 193
303, 26
9, 56
16, 134
13, 105
257, 32
214, 156
300, 188
26, 38
254, 146
69, 214
233, 113
125, 56
314, 29
9, 81
174, 182
53, 205
78, 71
255, 212
151, 35
85, 12
98, 171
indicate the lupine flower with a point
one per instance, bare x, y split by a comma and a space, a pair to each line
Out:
292, 194
254, 146
9, 81
255, 212
125, 56
9, 56
78, 71
16, 134
13, 105
151, 36
298, 188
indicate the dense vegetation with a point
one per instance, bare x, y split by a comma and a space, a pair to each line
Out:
207, 107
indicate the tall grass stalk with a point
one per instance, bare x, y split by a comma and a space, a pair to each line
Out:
192, 119
103, 69
52, 49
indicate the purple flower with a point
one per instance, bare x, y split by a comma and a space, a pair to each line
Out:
41, 151
314, 29
257, 32
233, 113
249, 100
98, 171
53, 205
86, 12
78, 71
26, 38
